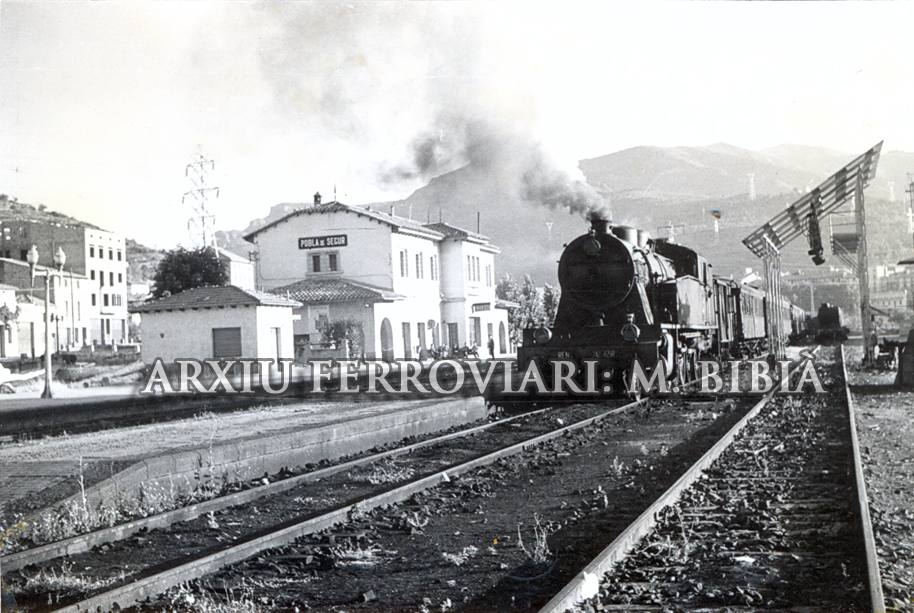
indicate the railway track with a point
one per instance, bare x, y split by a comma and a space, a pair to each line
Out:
332, 503
774, 517
439, 515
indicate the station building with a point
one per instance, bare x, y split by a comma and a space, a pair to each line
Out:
409, 286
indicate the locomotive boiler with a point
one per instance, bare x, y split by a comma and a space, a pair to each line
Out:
626, 297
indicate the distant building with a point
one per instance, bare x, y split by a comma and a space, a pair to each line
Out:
98, 255
240, 270
216, 322
70, 308
891, 300
410, 286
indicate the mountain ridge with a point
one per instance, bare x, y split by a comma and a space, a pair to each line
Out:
649, 187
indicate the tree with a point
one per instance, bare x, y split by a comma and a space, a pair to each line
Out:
184, 269
347, 329
7, 316
551, 295
529, 311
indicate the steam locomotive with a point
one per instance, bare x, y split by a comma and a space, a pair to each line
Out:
628, 297
827, 326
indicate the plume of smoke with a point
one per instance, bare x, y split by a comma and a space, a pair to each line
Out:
519, 163
544, 183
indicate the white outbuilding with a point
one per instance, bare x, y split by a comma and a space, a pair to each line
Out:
216, 322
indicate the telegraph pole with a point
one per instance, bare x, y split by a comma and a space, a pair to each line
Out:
910, 192
863, 276
201, 225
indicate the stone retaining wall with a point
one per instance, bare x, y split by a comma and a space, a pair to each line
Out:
181, 473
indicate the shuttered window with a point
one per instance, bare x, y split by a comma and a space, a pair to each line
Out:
226, 342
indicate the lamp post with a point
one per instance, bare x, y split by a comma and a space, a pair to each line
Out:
60, 259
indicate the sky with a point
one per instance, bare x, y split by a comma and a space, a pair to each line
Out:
104, 104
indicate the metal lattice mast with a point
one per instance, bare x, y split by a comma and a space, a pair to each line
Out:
866, 317
776, 336
910, 192
201, 226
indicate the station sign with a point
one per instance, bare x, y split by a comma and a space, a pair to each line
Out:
321, 242
482, 306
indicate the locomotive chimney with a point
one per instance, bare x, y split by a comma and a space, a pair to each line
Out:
599, 223
317, 198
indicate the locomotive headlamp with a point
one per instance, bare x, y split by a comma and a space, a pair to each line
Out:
542, 335
592, 247
630, 331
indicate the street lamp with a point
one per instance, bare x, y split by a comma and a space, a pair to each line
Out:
60, 259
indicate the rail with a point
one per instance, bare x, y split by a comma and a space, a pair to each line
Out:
877, 600
127, 595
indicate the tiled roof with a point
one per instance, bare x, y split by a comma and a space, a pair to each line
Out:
450, 231
335, 207
335, 290
212, 297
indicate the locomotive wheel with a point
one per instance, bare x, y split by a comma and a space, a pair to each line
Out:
681, 373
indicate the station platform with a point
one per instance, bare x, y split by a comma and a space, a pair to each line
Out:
260, 437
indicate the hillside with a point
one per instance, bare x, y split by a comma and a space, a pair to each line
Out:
652, 188
11, 208
142, 262
717, 171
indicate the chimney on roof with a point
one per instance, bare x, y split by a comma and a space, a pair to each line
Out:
317, 198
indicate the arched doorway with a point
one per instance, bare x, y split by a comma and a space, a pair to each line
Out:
387, 341
502, 341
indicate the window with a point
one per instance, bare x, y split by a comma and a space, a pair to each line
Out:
226, 342
118, 255
315, 263
92, 275
91, 251
24, 255
332, 262
108, 326
433, 268
404, 263
419, 265
473, 268
111, 254
318, 318
111, 278
488, 275
93, 299
407, 341
120, 277
105, 299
